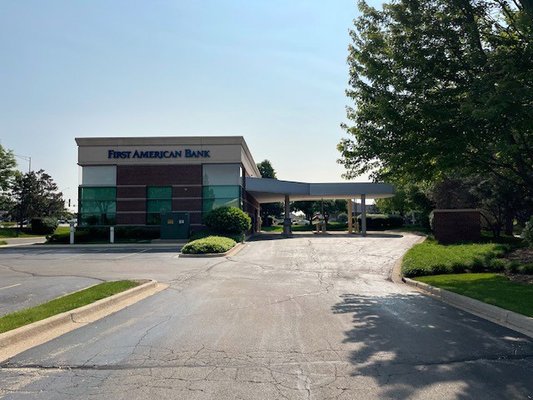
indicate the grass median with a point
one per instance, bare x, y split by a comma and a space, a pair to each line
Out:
63, 304
491, 288
432, 258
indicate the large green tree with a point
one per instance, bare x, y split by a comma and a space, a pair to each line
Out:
35, 194
7, 168
7, 173
266, 169
328, 207
441, 87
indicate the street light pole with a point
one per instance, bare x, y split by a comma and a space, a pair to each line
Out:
25, 158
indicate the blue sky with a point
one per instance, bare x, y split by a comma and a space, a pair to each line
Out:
272, 71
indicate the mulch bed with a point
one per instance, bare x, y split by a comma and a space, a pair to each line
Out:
523, 256
521, 278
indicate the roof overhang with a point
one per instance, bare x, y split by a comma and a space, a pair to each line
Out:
273, 190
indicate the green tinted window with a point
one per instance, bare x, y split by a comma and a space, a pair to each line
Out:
158, 206
98, 206
98, 193
159, 201
210, 204
219, 192
159, 192
97, 219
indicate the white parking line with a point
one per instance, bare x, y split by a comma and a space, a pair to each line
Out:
7, 287
130, 255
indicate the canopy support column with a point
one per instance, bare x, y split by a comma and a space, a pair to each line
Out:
363, 214
287, 222
350, 216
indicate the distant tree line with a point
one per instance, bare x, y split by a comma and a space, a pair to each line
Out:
24, 196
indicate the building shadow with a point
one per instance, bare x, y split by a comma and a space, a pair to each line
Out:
412, 345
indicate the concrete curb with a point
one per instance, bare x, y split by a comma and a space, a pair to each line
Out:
102, 245
231, 252
25, 337
500, 316
396, 272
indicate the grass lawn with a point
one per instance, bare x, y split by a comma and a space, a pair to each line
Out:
63, 304
490, 288
14, 233
432, 258
2, 242
62, 230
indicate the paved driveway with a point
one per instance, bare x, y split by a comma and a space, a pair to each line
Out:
313, 317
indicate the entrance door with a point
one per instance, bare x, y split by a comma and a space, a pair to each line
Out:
175, 225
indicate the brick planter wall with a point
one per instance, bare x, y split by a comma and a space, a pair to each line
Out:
452, 226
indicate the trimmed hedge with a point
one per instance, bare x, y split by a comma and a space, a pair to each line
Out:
43, 226
210, 244
238, 237
342, 218
382, 221
228, 220
100, 234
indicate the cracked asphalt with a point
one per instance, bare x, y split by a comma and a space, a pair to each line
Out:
312, 317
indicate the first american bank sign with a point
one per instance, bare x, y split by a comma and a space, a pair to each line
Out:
186, 153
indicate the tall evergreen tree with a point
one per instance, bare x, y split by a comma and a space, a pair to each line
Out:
35, 194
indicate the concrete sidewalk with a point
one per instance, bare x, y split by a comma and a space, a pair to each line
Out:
43, 245
23, 241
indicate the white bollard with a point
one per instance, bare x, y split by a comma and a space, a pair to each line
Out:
111, 234
71, 233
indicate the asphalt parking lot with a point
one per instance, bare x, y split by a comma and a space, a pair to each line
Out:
312, 317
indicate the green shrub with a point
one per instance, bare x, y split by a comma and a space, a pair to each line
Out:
526, 269
342, 218
513, 267
43, 226
382, 221
238, 237
497, 264
210, 244
101, 234
228, 220
527, 233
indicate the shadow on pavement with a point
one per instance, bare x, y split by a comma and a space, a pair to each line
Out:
412, 346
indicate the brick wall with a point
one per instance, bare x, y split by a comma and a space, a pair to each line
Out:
186, 182
452, 226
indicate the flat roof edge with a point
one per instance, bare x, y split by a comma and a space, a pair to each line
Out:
158, 140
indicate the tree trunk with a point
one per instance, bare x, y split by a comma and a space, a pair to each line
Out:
509, 225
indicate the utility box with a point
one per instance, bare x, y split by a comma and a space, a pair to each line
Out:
453, 226
175, 225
